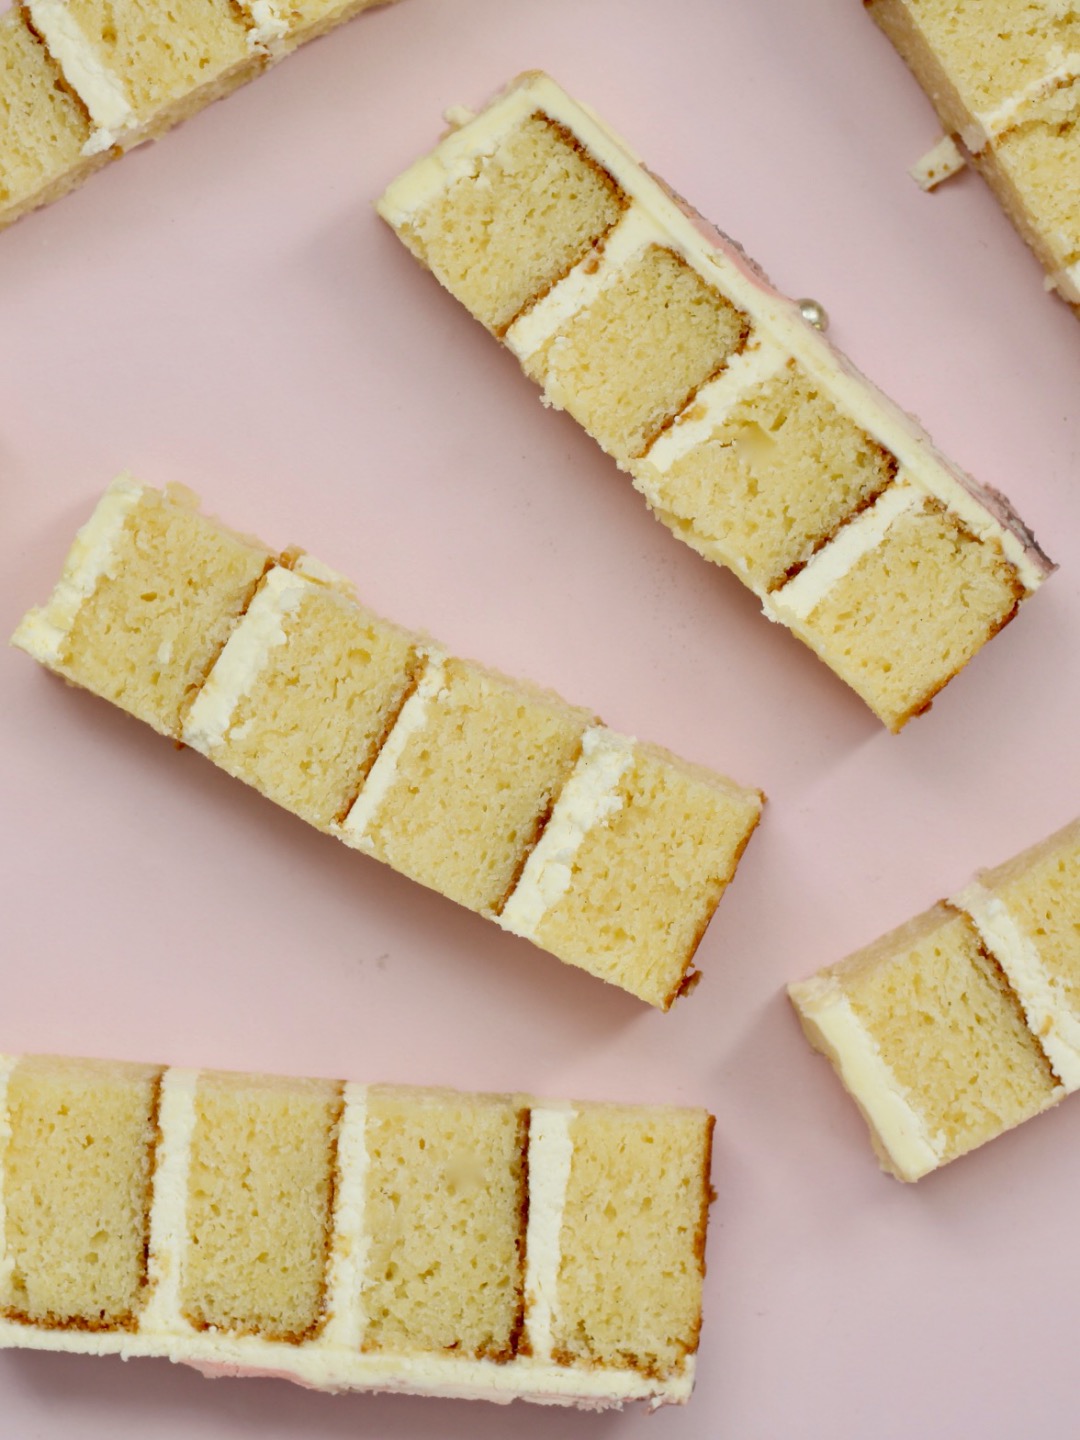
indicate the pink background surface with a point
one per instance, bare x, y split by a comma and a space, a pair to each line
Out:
224, 309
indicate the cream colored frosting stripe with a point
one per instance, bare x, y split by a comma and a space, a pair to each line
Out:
1046, 1009
1067, 283
800, 597
162, 1315
551, 1150
349, 1248
635, 230
867, 1076
243, 658
778, 316
43, 632
354, 829
100, 90
7, 1262
754, 366
589, 796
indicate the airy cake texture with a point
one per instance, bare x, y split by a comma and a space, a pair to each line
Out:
82, 81
382, 1238
610, 853
964, 1022
1004, 77
750, 437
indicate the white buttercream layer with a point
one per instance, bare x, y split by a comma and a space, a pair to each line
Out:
800, 597
1046, 1006
938, 164
99, 89
380, 778
989, 124
866, 1075
162, 1314
346, 1320
653, 211
551, 1151
43, 632
243, 658
588, 798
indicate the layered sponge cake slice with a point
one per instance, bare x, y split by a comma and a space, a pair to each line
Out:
750, 437
610, 853
964, 1022
346, 1237
1004, 77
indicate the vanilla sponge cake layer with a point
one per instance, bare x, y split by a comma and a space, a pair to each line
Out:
346, 1237
964, 1022
42, 127
608, 852
1003, 78
750, 437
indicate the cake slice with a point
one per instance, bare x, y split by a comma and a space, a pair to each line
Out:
965, 1021
82, 81
429, 1241
1004, 78
610, 853
749, 435
43, 128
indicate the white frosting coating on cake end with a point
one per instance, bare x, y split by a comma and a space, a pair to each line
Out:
862, 1068
1067, 283
939, 164
589, 796
243, 658
346, 1321
653, 211
268, 28
43, 632
801, 596
7, 1262
1049, 1015
162, 1314
99, 89
413, 717
551, 1150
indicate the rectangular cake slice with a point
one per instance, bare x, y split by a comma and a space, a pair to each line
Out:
148, 596
750, 436
965, 1021
351, 1238
501, 796
43, 128
1004, 77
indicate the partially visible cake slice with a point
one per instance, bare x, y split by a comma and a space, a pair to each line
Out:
139, 66
965, 1021
43, 128
750, 436
348, 1238
1004, 77
149, 595
609, 853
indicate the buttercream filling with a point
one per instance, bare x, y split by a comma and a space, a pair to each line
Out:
655, 213
588, 798
550, 1153
990, 124
868, 1077
383, 773
43, 632
100, 90
346, 1321
243, 659
162, 1314
800, 597
1046, 1007
938, 164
